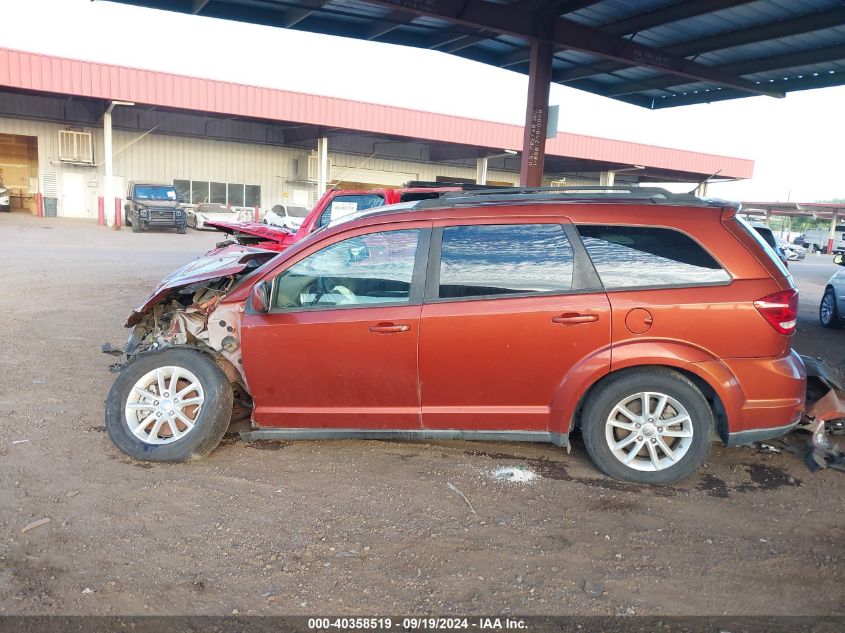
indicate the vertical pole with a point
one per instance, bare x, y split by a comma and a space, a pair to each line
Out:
101, 211
39, 204
536, 114
108, 180
607, 178
257, 214
322, 165
481, 171
117, 213
831, 239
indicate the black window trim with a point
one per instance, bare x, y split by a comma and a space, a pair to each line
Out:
415, 297
700, 284
585, 279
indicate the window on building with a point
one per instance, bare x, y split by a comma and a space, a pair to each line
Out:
493, 260
636, 256
199, 192
183, 189
252, 196
236, 195
218, 192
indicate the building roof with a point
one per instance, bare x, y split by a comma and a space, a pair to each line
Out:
58, 75
652, 53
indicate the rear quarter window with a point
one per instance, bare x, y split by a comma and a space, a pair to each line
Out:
644, 257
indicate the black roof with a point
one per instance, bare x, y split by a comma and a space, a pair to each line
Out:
652, 53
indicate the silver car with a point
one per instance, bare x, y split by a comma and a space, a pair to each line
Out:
832, 308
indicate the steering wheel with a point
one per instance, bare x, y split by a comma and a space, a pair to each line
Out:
324, 287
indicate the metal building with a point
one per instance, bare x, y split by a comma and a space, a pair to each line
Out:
252, 146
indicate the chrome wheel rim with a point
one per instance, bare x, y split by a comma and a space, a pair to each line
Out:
649, 431
163, 405
826, 310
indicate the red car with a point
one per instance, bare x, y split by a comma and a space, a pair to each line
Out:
335, 204
655, 322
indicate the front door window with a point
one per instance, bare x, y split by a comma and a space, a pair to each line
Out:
366, 270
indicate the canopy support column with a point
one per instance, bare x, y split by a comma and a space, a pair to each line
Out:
536, 114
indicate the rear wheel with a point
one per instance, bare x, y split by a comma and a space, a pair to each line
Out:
828, 313
169, 406
649, 425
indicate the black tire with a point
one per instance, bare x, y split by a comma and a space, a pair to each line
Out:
126, 220
181, 230
614, 390
136, 227
210, 424
834, 322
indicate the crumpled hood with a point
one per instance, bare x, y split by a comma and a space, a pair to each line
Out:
264, 231
221, 262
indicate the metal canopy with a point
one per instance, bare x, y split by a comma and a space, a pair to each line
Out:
651, 53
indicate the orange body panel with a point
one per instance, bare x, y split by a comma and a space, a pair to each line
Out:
502, 363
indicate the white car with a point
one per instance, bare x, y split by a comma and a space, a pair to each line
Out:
793, 252
832, 308
286, 216
4, 199
214, 212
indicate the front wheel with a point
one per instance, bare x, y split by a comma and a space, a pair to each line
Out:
169, 406
649, 425
828, 313
181, 230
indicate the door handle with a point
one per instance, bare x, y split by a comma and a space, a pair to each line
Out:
389, 328
573, 318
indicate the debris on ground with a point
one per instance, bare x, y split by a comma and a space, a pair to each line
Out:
462, 495
515, 474
593, 587
31, 526
19, 442
825, 453
88, 590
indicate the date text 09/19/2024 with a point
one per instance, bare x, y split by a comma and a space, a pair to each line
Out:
416, 623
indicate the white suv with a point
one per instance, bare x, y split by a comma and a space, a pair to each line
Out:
832, 308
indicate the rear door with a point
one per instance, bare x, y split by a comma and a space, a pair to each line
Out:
510, 310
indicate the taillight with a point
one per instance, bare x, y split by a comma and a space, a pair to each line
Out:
780, 309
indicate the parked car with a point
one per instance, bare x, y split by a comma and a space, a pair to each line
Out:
832, 307
151, 204
334, 204
5, 199
286, 216
768, 235
793, 252
214, 212
489, 316
816, 240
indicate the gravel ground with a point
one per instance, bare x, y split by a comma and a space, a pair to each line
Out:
358, 527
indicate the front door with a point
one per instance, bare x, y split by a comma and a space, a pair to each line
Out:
508, 315
339, 347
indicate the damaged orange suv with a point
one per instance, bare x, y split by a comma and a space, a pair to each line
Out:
657, 323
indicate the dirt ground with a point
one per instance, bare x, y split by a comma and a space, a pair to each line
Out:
356, 527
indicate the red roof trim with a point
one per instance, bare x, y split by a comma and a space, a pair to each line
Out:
45, 73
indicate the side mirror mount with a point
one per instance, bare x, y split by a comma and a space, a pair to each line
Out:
839, 259
260, 297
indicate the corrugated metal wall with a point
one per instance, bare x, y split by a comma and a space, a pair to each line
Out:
163, 158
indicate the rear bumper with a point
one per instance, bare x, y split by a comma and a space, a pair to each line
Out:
762, 397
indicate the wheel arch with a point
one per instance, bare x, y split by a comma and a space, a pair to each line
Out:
690, 371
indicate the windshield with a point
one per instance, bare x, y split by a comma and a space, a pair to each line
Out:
297, 212
152, 192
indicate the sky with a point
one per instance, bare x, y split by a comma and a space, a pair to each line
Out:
797, 143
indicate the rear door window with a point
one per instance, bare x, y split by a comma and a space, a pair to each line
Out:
504, 259
639, 257
342, 205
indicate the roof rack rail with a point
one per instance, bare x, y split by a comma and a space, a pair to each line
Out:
515, 195
435, 184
